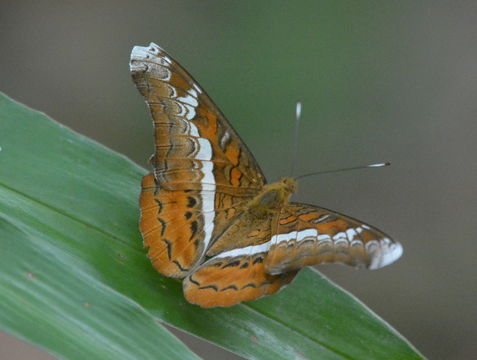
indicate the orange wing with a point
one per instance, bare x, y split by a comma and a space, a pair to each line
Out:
271, 251
237, 275
226, 280
203, 172
309, 235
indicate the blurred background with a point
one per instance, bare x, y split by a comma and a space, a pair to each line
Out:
379, 81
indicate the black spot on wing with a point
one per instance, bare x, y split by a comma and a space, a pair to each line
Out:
163, 225
188, 215
258, 260
180, 266
244, 265
233, 263
249, 285
191, 201
231, 287
169, 248
193, 228
159, 205
194, 281
213, 287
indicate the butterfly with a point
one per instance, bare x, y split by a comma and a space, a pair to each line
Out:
208, 215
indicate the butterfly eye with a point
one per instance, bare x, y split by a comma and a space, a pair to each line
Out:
290, 184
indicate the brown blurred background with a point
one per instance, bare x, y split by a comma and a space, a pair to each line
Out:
379, 81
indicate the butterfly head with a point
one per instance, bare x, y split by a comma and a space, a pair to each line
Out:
289, 185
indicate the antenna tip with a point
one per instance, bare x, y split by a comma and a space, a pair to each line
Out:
298, 109
387, 163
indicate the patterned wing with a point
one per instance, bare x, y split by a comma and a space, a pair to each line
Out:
203, 172
271, 252
308, 235
227, 279
239, 274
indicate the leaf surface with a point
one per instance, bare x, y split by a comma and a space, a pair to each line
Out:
75, 279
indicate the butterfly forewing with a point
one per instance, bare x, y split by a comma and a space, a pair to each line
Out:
309, 235
196, 147
203, 172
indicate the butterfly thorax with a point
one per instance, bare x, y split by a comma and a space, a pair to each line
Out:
253, 224
272, 198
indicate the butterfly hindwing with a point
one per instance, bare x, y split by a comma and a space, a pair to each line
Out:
235, 271
228, 281
309, 235
236, 275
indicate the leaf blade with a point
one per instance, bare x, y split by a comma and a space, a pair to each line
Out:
80, 320
85, 198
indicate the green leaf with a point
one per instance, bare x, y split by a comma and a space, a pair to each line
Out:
75, 279
52, 288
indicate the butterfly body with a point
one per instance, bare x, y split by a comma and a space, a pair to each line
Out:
207, 214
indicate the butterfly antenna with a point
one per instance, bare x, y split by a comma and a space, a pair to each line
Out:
295, 139
378, 165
